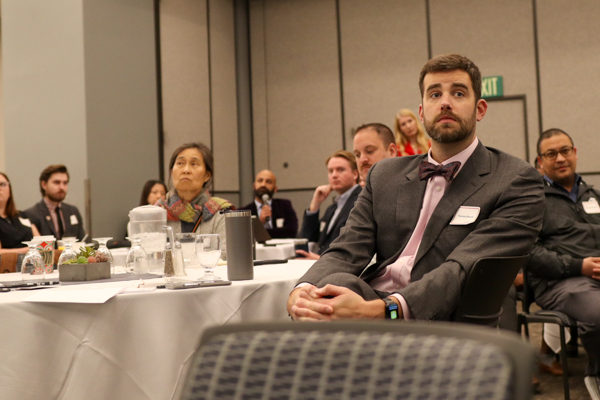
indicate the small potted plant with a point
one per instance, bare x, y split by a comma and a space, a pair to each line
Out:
86, 265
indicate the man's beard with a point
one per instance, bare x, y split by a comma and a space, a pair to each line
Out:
442, 134
57, 198
263, 190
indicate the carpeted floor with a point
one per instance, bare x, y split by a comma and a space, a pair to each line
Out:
551, 387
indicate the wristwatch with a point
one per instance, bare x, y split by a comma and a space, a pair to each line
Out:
391, 308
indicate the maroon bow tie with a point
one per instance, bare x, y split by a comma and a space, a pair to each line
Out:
427, 170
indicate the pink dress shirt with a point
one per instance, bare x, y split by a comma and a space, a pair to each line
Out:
396, 276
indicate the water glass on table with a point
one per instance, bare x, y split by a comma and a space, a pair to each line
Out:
208, 251
188, 246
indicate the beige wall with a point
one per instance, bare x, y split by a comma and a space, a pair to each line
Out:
79, 88
198, 83
383, 45
319, 69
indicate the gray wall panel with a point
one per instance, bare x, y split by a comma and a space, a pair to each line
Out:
511, 137
224, 107
259, 86
120, 88
384, 46
569, 59
185, 75
499, 38
303, 93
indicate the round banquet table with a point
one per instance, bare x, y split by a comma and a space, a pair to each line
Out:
133, 346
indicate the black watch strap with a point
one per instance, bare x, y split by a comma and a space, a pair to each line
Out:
391, 308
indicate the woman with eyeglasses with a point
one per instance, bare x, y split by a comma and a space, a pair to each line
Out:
15, 226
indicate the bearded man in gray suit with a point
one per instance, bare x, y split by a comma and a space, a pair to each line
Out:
427, 217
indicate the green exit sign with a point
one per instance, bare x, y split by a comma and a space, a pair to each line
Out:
491, 86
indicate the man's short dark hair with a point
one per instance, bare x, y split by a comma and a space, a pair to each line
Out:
451, 62
548, 133
49, 171
385, 134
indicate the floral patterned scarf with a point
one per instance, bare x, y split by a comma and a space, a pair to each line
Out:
202, 207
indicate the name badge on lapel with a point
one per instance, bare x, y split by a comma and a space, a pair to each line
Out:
74, 220
465, 215
279, 222
591, 206
323, 224
25, 222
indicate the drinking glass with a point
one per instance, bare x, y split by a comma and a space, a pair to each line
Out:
103, 254
33, 267
68, 253
137, 259
188, 246
208, 251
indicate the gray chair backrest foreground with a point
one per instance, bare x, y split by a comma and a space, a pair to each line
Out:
360, 360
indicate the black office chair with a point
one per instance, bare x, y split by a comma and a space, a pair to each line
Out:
546, 316
366, 359
485, 289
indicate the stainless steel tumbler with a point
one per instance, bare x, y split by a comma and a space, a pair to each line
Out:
238, 229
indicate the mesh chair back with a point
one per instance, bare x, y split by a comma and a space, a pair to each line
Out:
348, 364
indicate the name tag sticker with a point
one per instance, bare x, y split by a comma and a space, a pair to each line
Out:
74, 220
591, 206
323, 223
25, 221
465, 215
279, 222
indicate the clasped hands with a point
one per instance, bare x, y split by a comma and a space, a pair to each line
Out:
309, 303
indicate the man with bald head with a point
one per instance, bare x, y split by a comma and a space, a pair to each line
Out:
277, 215
372, 143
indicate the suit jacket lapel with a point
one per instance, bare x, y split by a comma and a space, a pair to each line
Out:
467, 182
344, 212
409, 201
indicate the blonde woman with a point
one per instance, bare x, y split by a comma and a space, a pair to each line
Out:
410, 134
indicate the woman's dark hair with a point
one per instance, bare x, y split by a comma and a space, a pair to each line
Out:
10, 209
206, 156
148, 188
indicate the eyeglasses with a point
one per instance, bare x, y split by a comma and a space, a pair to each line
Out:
4, 184
552, 154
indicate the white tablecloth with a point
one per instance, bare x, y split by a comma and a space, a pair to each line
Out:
134, 346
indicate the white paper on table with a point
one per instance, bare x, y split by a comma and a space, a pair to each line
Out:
84, 296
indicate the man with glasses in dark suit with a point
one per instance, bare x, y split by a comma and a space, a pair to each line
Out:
564, 269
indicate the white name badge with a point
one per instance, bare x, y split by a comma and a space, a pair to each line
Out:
74, 220
465, 215
591, 206
25, 221
323, 224
279, 222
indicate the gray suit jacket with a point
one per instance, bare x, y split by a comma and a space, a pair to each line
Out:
508, 191
40, 217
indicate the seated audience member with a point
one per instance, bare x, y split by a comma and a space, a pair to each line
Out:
428, 218
564, 268
153, 191
372, 143
51, 216
277, 215
410, 134
343, 175
15, 226
189, 205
